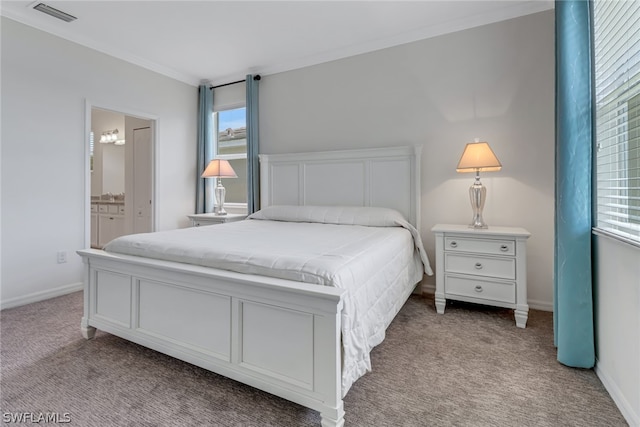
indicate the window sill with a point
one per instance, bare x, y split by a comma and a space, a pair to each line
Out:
616, 237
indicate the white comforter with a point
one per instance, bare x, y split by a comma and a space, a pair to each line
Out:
372, 252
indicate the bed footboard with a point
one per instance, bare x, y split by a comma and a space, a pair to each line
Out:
280, 336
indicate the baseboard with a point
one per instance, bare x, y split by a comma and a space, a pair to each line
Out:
533, 304
428, 289
41, 296
621, 402
540, 305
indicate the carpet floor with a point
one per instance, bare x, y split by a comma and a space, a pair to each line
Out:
468, 367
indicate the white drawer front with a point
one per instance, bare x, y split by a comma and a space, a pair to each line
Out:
481, 289
103, 208
504, 268
483, 246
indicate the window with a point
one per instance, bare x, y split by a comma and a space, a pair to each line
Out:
230, 141
616, 30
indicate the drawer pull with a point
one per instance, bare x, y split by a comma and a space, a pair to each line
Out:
504, 248
478, 266
453, 244
478, 288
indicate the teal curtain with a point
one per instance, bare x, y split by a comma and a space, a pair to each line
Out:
573, 302
253, 162
204, 187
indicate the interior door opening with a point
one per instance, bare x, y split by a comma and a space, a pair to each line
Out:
121, 187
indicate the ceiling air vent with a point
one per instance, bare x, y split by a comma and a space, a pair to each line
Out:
54, 12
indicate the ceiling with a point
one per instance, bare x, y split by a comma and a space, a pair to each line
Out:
222, 41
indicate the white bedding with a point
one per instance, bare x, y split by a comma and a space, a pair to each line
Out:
372, 252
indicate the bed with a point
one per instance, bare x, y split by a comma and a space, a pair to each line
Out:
301, 333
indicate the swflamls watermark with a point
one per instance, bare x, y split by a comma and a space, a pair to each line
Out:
36, 417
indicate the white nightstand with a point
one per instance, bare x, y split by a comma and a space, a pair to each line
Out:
484, 266
210, 219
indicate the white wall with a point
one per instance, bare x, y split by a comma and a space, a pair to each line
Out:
494, 82
617, 307
46, 82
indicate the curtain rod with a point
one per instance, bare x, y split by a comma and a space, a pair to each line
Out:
256, 77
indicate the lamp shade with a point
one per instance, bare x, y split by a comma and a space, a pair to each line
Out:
478, 157
219, 168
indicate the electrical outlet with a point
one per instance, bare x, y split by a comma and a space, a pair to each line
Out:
62, 257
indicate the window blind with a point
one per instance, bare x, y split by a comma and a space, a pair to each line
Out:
616, 37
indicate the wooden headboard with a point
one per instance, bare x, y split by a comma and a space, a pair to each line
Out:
380, 177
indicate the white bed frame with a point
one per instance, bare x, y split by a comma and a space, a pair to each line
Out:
280, 336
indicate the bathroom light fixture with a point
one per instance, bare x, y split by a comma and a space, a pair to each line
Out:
111, 137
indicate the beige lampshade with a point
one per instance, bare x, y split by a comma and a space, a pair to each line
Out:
478, 156
218, 168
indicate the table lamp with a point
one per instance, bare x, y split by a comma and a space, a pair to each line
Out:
218, 168
478, 157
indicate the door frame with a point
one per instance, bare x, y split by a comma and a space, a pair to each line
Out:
89, 106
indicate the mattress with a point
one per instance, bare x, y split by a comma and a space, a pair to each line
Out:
371, 252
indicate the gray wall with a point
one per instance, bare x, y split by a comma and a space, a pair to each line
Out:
494, 82
46, 84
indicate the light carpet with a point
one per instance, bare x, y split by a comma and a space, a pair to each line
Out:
468, 367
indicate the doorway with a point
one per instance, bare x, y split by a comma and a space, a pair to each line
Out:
121, 177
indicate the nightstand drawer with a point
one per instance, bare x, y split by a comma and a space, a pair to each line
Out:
491, 291
483, 246
504, 268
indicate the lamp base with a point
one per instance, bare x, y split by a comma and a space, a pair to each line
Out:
477, 196
478, 224
220, 193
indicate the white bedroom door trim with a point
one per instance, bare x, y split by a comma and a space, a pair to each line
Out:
154, 121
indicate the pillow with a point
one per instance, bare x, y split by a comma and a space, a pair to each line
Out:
348, 215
